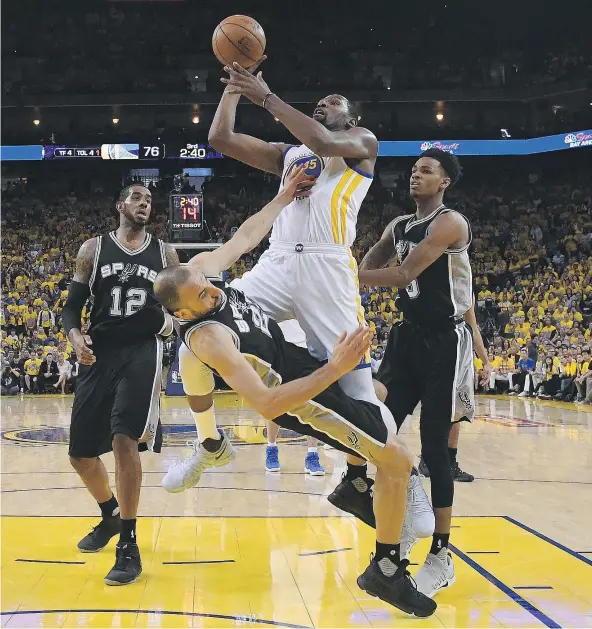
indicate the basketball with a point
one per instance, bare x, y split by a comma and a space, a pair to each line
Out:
239, 38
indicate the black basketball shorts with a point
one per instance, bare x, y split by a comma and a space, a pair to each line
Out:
119, 394
434, 367
351, 426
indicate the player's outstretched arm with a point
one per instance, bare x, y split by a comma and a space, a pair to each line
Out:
355, 143
449, 230
380, 253
78, 294
171, 256
214, 346
255, 228
245, 148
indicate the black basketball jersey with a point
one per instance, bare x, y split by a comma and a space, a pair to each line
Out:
122, 280
255, 335
442, 291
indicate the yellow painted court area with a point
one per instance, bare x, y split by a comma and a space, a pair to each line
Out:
247, 548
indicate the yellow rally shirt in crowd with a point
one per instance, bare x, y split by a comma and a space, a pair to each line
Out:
32, 366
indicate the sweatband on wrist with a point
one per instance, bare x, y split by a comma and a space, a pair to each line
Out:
265, 99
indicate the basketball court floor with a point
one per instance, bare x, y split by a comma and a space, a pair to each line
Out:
249, 548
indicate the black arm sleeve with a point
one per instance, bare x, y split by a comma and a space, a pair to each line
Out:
72, 312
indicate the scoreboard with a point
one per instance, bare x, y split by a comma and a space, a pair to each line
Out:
186, 217
181, 150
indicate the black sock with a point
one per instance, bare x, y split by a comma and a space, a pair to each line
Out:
439, 541
356, 471
128, 531
212, 445
452, 456
109, 508
388, 558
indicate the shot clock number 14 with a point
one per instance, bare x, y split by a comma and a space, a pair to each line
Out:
186, 215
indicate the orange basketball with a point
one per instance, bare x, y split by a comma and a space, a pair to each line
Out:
239, 38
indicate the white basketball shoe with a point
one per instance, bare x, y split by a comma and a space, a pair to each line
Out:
437, 573
186, 474
419, 516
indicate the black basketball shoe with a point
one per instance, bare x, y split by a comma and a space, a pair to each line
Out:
348, 497
398, 590
100, 535
422, 468
128, 565
459, 476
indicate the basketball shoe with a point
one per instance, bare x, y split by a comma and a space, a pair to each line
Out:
437, 573
100, 535
128, 565
355, 497
419, 516
312, 465
186, 474
458, 475
398, 590
272, 459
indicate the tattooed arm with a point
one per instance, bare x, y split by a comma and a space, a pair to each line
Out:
78, 293
381, 252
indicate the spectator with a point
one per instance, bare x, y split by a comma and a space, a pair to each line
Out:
48, 373
10, 380
32, 366
64, 372
526, 367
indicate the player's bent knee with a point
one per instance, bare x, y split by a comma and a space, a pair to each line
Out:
83, 464
380, 389
123, 442
395, 457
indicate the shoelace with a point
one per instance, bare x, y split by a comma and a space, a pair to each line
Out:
93, 529
121, 557
403, 565
439, 578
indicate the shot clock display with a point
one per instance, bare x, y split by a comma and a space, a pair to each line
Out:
186, 216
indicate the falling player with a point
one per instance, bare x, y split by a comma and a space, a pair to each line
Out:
224, 331
309, 272
116, 406
429, 354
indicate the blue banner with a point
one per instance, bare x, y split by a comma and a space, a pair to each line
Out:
27, 153
174, 383
560, 142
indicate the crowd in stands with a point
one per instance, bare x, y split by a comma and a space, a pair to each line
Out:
148, 48
531, 255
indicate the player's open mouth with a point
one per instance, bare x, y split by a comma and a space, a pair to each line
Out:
318, 113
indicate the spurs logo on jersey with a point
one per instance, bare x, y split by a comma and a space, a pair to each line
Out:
444, 289
330, 213
126, 271
122, 280
402, 247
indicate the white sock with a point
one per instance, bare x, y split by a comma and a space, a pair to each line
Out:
312, 450
205, 422
271, 444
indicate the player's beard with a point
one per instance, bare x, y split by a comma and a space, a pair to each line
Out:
136, 222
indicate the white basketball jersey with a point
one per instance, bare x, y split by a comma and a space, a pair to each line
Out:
329, 215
